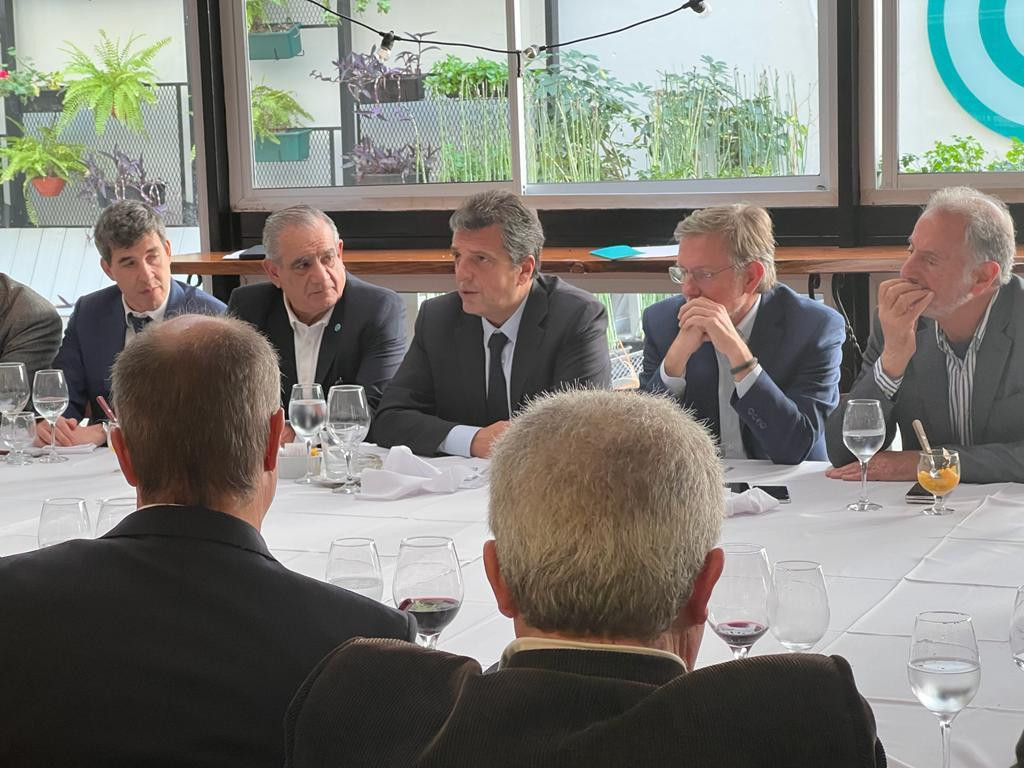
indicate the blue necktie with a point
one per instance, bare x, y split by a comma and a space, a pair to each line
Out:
138, 322
497, 391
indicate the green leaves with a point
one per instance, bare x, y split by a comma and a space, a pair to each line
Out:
456, 77
963, 154
38, 157
274, 111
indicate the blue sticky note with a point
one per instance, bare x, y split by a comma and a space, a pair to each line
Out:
616, 252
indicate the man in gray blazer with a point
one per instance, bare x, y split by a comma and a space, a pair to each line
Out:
948, 347
30, 327
506, 335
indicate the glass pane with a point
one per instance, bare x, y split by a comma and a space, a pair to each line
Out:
731, 95
137, 143
961, 87
328, 113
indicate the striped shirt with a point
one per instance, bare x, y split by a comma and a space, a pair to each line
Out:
959, 373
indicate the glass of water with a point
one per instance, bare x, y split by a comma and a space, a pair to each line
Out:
307, 412
13, 387
353, 564
348, 421
50, 398
944, 667
112, 512
18, 432
62, 520
798, 604
1017, 629
863, 434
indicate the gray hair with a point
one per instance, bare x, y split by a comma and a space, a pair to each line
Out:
123, 224
747, 230
521, 232
989, 227
302, 216
194, 397
604, 506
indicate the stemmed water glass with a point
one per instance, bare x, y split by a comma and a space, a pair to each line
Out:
348, 421
50, 398
944, 668
428, 584
353, 564
62, 520
738, 610
938, 472
18, 432
1017, 629
863, 434
112, 512
798, 604
13, 387
307, 412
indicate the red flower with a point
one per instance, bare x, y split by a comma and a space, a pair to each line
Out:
4, 74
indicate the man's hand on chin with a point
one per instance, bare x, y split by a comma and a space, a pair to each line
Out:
885, 465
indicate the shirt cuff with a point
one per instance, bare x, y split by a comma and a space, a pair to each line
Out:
745, 384
458, 441
674, 384
889, 386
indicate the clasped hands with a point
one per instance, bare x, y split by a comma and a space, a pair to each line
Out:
68, 432
702, 320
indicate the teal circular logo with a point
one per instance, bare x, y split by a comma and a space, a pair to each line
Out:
978, 49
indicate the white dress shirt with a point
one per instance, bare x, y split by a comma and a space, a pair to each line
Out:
730, 437
546, 643
459, 439
307, 343
157, 315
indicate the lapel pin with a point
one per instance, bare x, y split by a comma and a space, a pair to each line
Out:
337, 327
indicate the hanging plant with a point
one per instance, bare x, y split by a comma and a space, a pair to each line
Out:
44, 162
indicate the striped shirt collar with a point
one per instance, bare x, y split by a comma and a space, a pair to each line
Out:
979, 332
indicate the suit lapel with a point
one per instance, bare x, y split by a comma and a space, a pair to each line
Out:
989, 367
110, 339
930, 392
280, 333
329, 346
765, 337
469, 351
175, 300
528, 341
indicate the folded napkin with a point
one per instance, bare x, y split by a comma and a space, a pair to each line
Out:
404, 474
62, 449
752, 502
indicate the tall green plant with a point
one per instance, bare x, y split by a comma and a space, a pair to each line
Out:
115, 85
480, 79
274, 111
475, 140
38, 157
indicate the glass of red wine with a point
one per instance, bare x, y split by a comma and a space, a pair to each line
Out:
738, 610
428, 584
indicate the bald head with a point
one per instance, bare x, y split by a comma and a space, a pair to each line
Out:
194, 396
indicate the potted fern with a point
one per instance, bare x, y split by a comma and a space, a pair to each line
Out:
44, 161
114, 86
275, 125
267, 39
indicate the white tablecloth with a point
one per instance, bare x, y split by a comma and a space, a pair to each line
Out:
882, 568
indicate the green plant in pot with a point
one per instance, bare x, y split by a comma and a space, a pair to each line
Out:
45, 162
268, 39
115, 85
276, 118
26, 81
458, 78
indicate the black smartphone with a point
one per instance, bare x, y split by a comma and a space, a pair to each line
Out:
918, 495
779, 492
738, 487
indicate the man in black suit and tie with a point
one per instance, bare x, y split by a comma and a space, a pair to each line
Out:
506, 335
176, 638
328, 327
605, 508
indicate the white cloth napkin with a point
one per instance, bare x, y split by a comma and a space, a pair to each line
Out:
62, 449
405, 474
751, 502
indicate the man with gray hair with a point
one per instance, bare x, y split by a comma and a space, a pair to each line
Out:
948, 347
506, 335
605, 568
176, 638
754, 359
136, 254
328, 327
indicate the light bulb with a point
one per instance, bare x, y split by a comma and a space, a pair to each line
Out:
383, 53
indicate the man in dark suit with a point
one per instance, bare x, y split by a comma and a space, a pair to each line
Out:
948, 347
506, 335
136, 254
29, 327
754, 359
328, 327
606, 568
176, 638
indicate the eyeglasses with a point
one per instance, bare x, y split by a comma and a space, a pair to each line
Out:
679, 274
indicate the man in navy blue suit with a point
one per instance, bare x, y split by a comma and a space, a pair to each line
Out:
136, 254
754, 359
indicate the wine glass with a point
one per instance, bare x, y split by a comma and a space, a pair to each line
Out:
13, 387
18, 432
112, 512
863, 434
428, 584
798, 604
938, 472
1017, 629
944, 668
738, 610
62, 520
307, 412
50, 398
353, 564
348, 421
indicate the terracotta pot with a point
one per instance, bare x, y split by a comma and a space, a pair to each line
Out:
48, 186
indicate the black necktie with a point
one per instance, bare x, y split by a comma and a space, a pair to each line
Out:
139, 322
497, 392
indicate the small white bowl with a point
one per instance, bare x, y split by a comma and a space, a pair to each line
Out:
294, 467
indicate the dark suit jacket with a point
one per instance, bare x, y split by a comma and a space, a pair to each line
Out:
363, 342
176, 639
997, 404
441, 383
95, 336
385, 704
29, 327
798, 343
